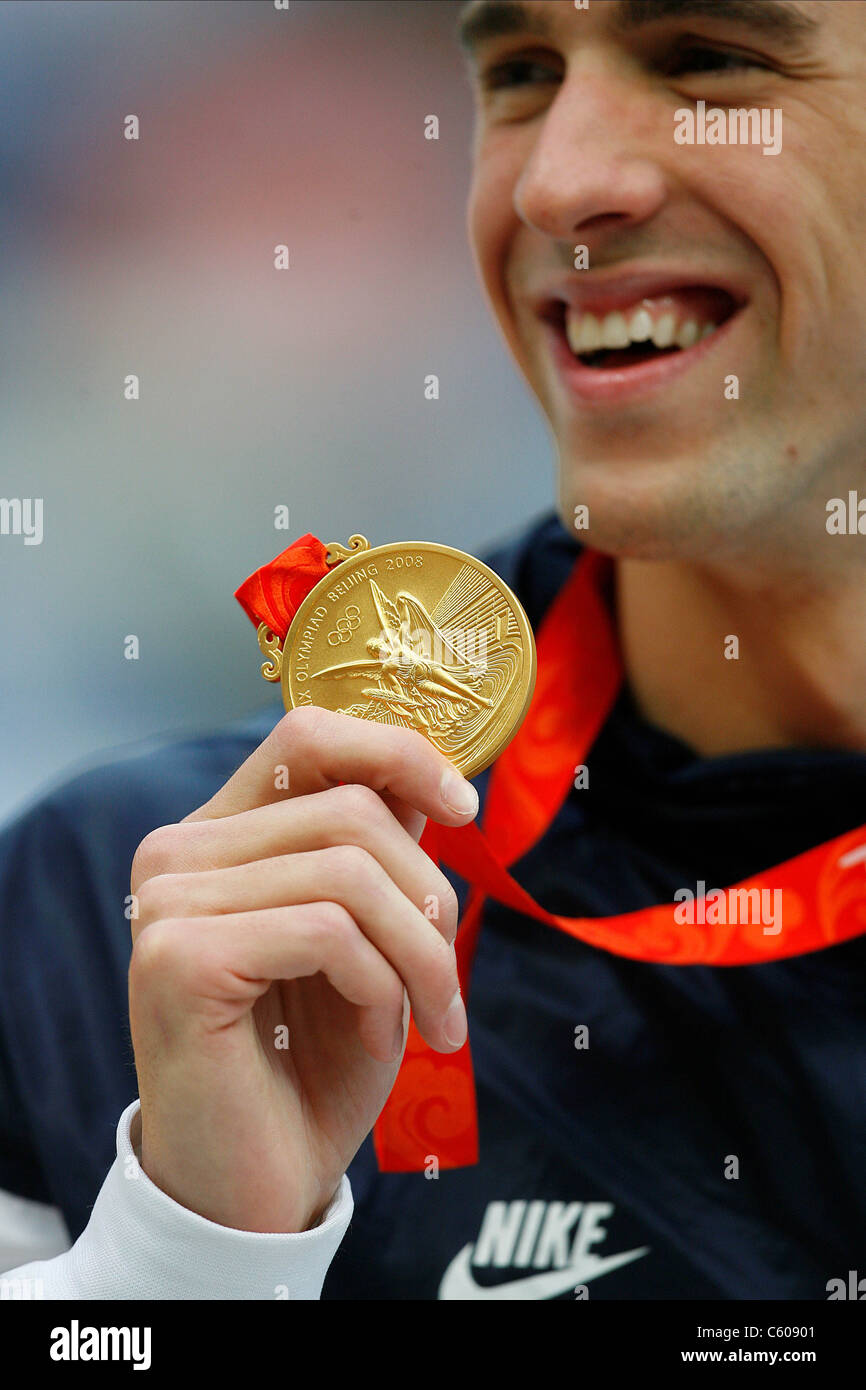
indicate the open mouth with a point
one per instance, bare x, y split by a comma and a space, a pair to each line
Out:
654, 327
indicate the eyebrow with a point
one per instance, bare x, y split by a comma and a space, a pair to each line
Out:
775, 19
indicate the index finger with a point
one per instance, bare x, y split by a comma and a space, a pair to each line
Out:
311, 749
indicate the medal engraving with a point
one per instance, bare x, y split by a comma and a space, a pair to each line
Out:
418, 635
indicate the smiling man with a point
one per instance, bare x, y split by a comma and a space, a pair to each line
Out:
670, 1103
712, 444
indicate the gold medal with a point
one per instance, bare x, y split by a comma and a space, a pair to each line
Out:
414, 634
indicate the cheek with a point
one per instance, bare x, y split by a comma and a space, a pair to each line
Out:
800, 212
492, 221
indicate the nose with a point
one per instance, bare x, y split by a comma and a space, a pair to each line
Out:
596, 160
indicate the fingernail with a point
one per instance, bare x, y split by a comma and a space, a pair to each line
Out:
454, 1025
458, 794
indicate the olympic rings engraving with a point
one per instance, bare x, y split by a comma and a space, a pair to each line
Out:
345, 626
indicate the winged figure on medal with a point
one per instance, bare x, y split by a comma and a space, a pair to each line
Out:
415, 688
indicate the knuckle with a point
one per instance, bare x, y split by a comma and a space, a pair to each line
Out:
157, 896
449, 902
351, 864
303, 725
451, 909
406, 747
332, 923
156, 853
360, 804
156, 951
410, 746
443, 968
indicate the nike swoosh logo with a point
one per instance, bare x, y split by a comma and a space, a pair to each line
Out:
458, 1281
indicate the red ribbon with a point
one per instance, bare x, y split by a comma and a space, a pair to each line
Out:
274, 593
431, 1111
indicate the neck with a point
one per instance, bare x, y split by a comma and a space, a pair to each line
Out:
799, 676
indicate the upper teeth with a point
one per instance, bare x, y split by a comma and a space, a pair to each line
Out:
586, 333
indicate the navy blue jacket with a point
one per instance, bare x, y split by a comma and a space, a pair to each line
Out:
605, 1171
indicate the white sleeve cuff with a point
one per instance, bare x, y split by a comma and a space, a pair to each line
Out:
141, 1244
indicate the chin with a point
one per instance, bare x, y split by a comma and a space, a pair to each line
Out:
654, 526
634, 544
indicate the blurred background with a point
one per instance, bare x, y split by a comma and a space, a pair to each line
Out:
259, 388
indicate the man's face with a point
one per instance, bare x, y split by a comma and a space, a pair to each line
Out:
575, 146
